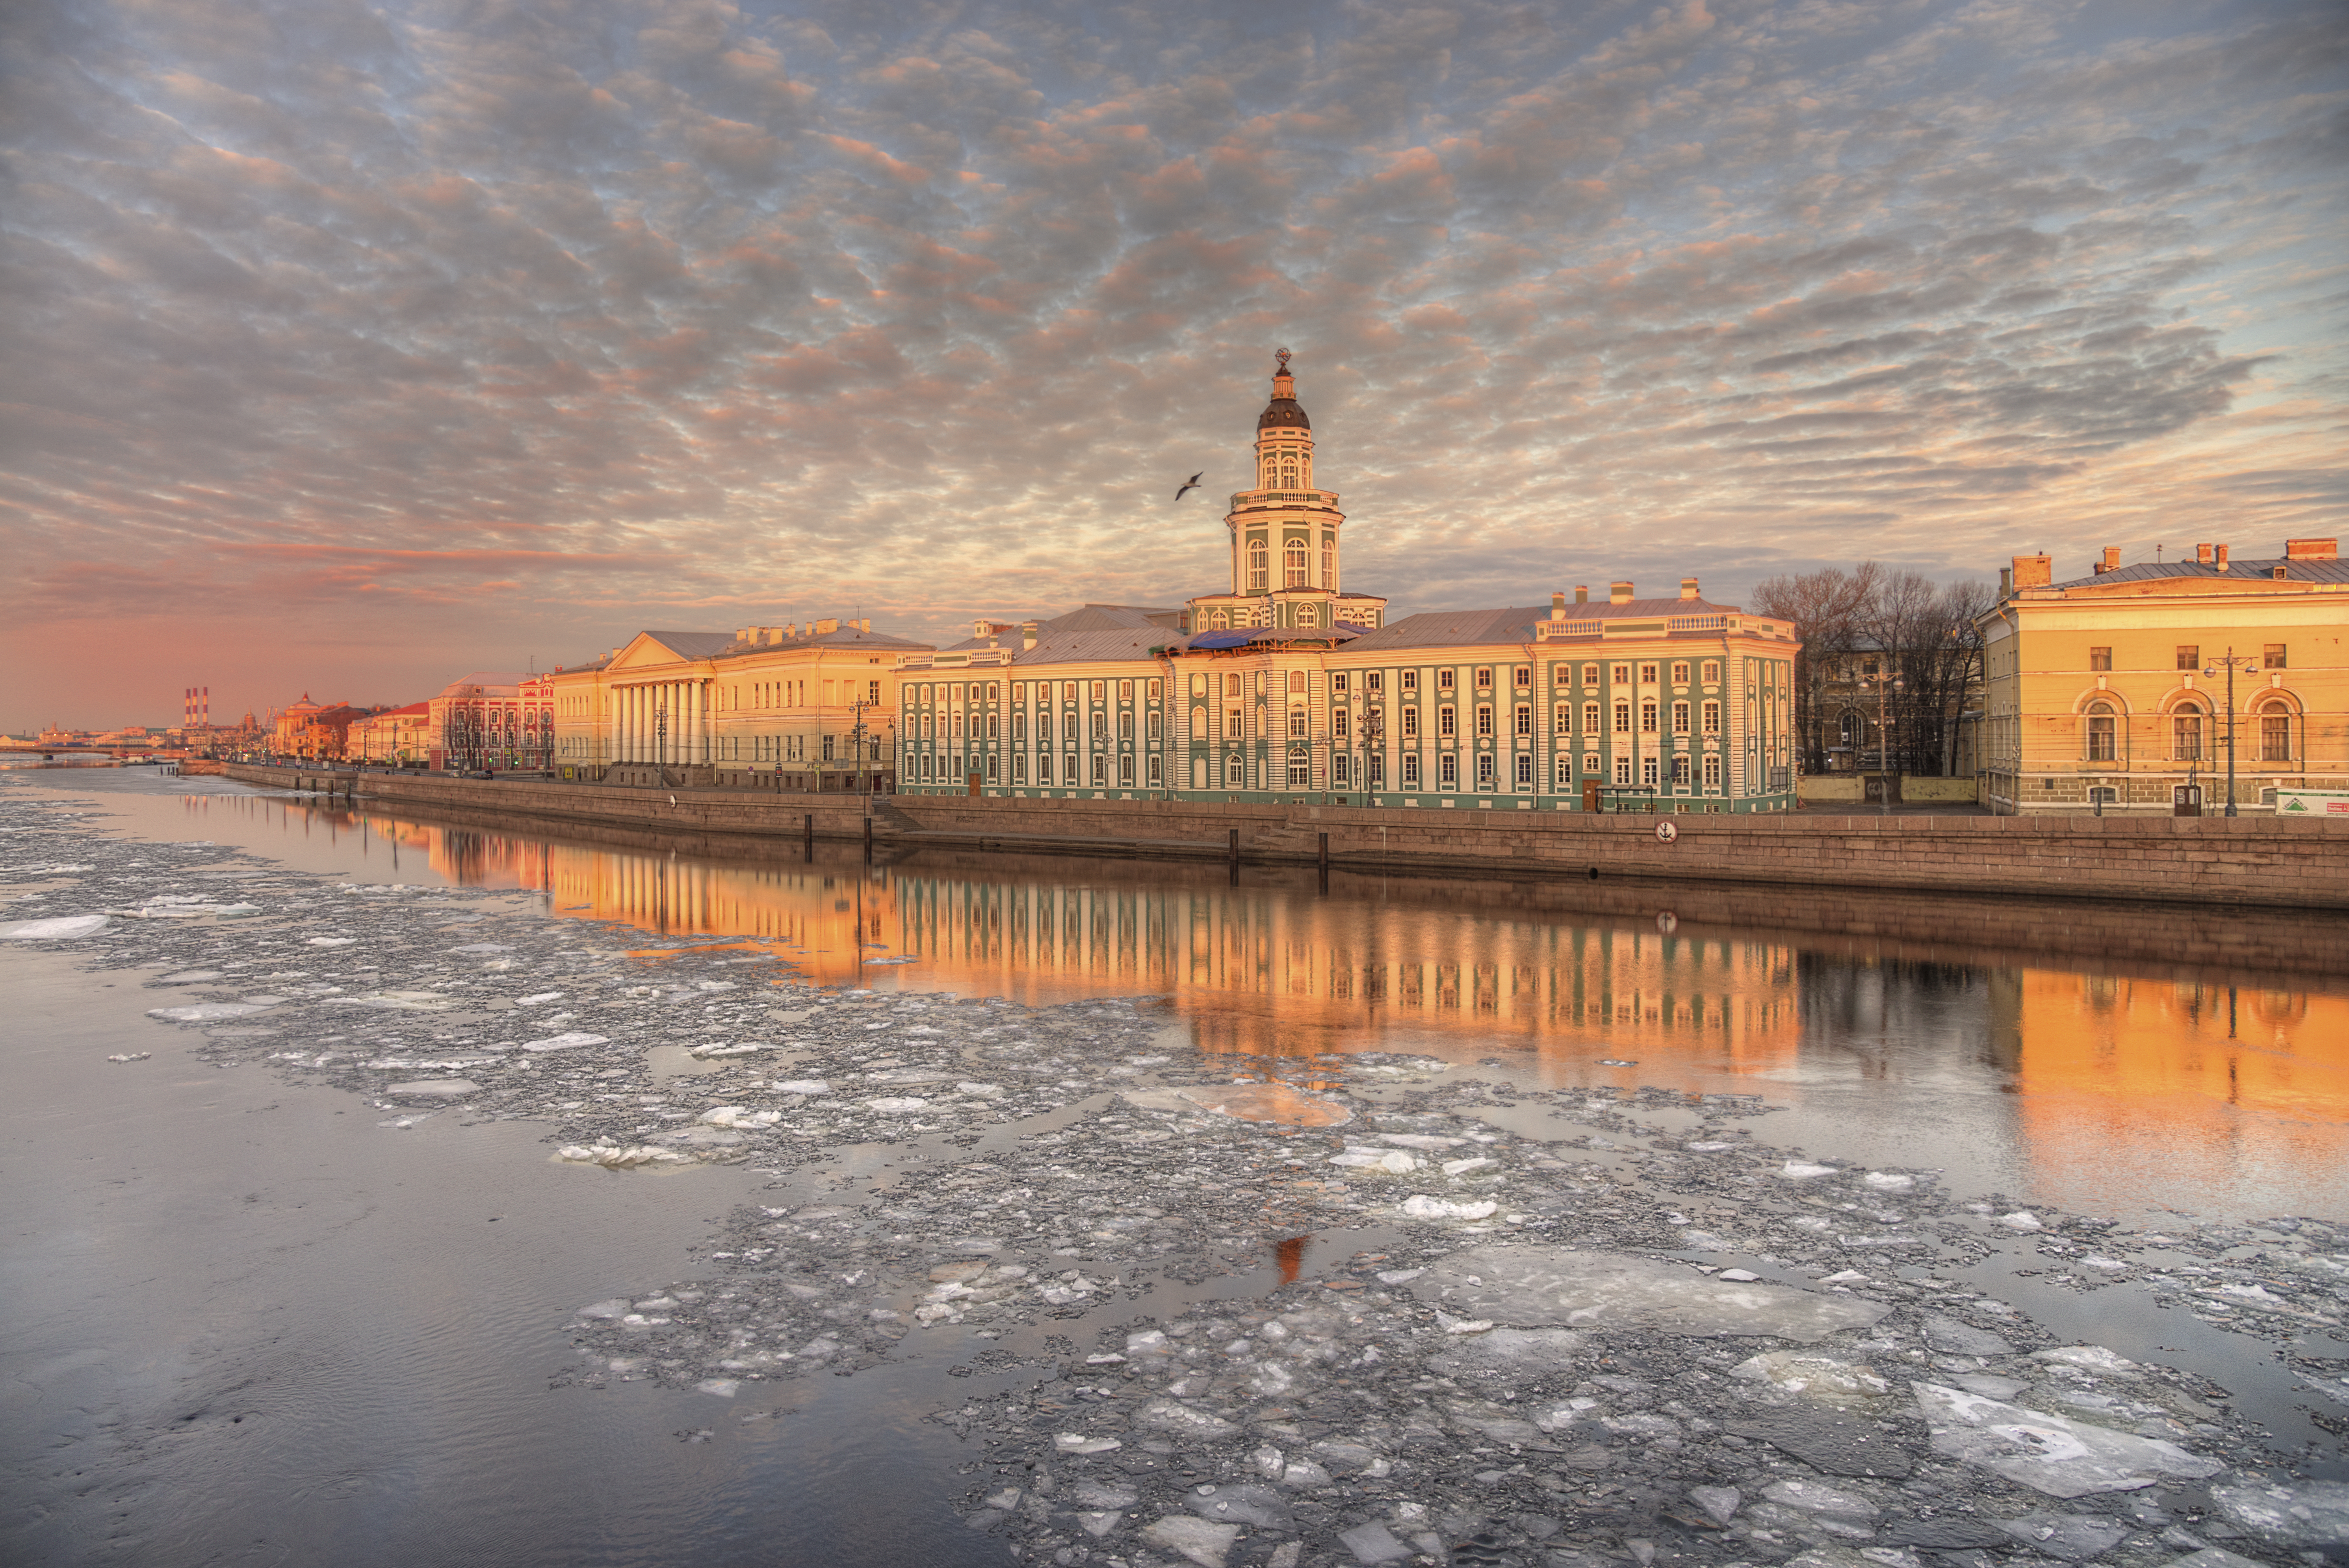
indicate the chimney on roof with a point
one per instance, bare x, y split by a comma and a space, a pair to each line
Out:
865, 625
2112, 560
1027, 635
2033, 571
1618, 593
745, 634
1581, 593
2222, 557
826, 626
1688, 588
2312, 550
1558, 606
2203, 553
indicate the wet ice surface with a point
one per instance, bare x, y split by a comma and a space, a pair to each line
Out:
1350, 1309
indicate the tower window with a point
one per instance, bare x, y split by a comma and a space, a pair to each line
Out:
1258, 564
1292, 565
1329, 564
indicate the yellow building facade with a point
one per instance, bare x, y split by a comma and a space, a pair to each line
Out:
2111, 693
802, 707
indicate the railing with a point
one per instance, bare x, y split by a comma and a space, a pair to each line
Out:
1559, 631
1696, 623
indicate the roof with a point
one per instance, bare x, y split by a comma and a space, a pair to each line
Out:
486, 678
1445, 628
692, 644
1248, 636
2238, 570
839, 637
1284, 412
1110, 617
1117, 643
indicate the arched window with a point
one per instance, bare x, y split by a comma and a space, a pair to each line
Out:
1309, 615
1296, 682
1259, 562
2186, 733
1292, 565
2103, 746
2275, 731
1234, 770
1219, 620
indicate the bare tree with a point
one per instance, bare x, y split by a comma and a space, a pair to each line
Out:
1926, 635
1830, 608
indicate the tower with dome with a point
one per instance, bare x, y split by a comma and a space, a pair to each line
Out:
1286, 545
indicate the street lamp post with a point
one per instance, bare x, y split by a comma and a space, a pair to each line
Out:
1373, 755
2250, 666
660, 741
856, 738
1883, 741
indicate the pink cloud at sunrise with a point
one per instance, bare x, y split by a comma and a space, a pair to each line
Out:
352, 346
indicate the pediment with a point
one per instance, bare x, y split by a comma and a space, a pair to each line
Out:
649, 650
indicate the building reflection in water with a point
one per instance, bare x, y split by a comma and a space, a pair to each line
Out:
2096, 1073
2201, 1088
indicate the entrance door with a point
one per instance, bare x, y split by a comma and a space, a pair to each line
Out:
2186, 801
974, 786
1590, 794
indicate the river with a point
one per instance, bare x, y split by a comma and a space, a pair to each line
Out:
260, 1317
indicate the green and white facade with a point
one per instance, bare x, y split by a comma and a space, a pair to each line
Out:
1299, 692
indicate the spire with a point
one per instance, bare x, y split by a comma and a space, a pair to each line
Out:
1283, 411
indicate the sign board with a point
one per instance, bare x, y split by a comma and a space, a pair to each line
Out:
2311, 803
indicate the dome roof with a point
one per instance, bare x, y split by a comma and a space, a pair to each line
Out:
1283, 411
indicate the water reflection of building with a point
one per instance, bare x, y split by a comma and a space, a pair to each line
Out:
1280, 974
2206, 1083
1259, 972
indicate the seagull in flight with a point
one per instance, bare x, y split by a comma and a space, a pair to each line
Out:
1190, 484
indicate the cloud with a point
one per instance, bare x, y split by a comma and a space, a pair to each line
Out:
413, 337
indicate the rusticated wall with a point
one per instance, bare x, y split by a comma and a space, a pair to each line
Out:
2205, 859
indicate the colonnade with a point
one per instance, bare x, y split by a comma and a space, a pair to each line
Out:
636, 722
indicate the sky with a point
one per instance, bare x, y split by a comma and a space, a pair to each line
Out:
347, 348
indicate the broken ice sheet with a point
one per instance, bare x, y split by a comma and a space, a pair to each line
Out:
2049, 1453
1528, 1286
208, 1011
569, 1040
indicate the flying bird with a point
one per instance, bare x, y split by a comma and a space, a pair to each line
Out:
1190, 484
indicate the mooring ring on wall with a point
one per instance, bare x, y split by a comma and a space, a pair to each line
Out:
1667, 830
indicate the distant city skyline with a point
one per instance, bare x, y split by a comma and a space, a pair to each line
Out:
355, 347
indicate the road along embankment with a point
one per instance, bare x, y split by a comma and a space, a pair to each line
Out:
2204, 860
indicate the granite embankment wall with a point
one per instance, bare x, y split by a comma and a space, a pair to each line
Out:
2204, 860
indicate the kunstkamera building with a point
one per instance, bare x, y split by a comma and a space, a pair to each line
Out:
1289, 686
